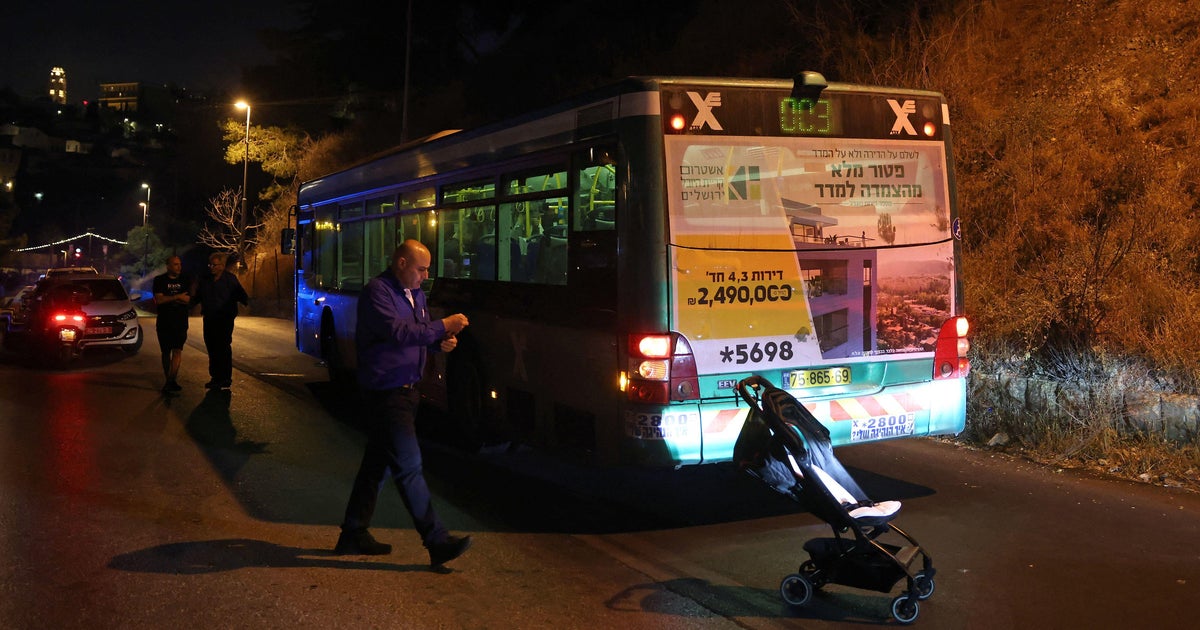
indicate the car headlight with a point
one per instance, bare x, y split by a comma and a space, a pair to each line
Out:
128, 315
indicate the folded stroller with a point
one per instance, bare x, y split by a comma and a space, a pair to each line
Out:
786, 447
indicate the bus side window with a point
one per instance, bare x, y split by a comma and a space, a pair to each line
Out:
596, 192
304, 252
327, 241
468, 243
546, 252
350, 256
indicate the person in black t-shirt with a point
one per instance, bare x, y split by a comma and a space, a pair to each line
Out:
173, 296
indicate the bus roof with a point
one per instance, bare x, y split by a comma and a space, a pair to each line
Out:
584, 115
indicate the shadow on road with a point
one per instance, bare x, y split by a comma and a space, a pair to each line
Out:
572, 497
231, 554
211, 426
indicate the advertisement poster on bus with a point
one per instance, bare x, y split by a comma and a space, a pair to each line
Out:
797, 251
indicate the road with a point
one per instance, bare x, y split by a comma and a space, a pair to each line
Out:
121, 508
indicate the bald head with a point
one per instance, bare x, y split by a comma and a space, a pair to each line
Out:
410, 263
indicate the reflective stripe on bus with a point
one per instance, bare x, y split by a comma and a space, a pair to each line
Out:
839, 410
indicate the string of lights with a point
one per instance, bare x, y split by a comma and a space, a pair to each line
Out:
73, 238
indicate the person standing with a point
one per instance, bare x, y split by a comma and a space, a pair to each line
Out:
393, 336
218, 295
172, 295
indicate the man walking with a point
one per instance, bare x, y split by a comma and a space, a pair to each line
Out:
172, 295
394, 334
218, 295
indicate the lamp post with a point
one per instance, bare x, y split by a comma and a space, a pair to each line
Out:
145, 206
245, 164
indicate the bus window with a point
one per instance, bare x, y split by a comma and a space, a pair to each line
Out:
471, 191
533, 228
381, 241
350, 256
304, 251
546, 251
381, 205
326, 240
351, 210
468, 243
545, 179
421, 198
596, 191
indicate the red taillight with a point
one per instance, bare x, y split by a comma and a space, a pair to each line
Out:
661, 369
62, 317
950, 355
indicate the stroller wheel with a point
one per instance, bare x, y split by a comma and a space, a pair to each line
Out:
796, 589
905, 609
923, 586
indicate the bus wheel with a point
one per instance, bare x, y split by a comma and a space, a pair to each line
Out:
330, 353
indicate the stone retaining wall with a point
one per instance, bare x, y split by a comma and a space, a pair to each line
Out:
1174, 416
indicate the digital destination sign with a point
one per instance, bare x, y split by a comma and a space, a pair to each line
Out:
757, 111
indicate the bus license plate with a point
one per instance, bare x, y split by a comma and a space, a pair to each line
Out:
797, 379
881, 428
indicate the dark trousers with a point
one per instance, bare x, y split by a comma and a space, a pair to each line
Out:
218, 341
393, 451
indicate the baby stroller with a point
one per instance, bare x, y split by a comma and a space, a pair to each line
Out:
786, 447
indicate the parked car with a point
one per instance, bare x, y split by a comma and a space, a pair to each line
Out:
12, 309
110, 318
16, 301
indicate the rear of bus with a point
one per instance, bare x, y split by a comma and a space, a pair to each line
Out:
812, 239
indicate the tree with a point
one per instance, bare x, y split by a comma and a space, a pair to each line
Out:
223, 232
146, 251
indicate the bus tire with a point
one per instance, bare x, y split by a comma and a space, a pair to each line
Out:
338, 375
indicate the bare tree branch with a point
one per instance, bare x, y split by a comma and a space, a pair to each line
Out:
223, 232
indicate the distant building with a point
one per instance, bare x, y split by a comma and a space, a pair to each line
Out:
121, 97
58, 85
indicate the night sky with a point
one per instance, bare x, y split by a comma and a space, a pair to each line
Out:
198, 45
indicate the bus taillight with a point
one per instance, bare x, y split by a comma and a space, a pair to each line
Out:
661, 369
950, 355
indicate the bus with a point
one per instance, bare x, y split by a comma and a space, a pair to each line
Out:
627, 256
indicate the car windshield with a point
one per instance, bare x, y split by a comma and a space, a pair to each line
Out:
102, 289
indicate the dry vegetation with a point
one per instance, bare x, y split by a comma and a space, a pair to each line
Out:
1076, 126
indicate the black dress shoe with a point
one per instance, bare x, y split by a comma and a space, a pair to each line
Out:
360, 543
448, 549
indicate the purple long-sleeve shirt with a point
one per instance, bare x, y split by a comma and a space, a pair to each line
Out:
392, 336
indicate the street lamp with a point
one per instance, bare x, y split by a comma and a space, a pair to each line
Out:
245, 163
145, 206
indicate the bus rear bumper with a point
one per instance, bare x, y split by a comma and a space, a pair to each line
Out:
705, 432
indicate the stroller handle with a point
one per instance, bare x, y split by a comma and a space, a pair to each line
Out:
749, 387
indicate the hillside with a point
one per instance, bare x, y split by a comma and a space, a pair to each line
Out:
1076, 128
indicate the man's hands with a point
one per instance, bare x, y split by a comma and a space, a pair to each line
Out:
454, 324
